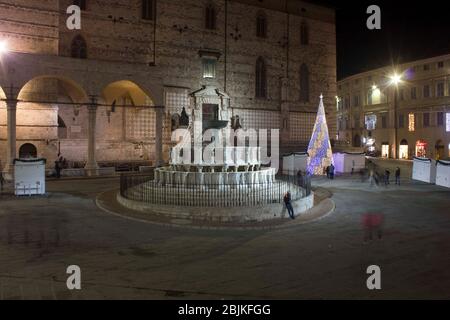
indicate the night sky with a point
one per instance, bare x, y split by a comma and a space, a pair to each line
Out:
409, 32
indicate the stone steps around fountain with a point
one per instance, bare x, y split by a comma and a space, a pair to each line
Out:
219, 214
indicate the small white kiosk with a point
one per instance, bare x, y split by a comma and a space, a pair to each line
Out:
295, 162
443, 173
424, 170
346, 162
29, 177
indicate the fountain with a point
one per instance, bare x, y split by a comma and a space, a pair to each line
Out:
213, 180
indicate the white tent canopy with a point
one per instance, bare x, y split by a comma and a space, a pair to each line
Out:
346, 162
29, 177
295, 162
443, 173
424, 170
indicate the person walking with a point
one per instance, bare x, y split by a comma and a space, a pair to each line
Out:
287, 201
387, 175
58, 169
397, 176
327, 170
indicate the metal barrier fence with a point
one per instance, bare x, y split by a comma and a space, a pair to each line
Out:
143, 188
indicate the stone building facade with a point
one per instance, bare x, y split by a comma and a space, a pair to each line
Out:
405, 119
108, 92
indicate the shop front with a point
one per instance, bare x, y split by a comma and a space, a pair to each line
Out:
403, 150
421, 149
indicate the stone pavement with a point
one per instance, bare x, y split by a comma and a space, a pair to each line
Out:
123, 258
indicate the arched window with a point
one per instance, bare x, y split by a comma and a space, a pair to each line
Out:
80, 3
304, 83
148, 9
210, 17
261, 25
261, 81
79, 48
304, 34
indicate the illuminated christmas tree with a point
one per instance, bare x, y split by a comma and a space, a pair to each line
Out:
319, 149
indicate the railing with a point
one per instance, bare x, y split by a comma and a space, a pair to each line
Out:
143, 188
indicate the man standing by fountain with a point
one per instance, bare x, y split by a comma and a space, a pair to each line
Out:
287, 202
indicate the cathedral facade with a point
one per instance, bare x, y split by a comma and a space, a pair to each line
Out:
112, 91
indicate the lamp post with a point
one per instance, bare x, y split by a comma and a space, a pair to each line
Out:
395, 80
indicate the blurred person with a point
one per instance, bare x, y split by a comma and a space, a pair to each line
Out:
373, 226
387, 175
397, 176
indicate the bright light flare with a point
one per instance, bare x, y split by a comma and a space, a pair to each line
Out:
395, 79
3, 47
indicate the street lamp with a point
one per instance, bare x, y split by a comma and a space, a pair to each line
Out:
395, 79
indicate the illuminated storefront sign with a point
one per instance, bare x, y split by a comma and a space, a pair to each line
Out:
412, 122
421, 149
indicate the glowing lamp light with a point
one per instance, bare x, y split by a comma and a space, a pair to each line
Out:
396, 79
3, 47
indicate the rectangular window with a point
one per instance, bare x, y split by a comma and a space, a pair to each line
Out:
440, 119
426, 119
440, 64
356, 122
369, 98
401, 121
371, 122
447, 126
440, 89
356, 101
426, 67
148, 9
414, 93
402, 94
209, 68
412, 122
426, 91
384, 122
347, 102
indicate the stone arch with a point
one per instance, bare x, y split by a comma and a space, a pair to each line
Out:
74, 90
44, 99
138, 94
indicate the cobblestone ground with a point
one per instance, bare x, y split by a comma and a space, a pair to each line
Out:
119, 258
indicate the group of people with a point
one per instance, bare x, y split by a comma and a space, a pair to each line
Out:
330, 170
376, 178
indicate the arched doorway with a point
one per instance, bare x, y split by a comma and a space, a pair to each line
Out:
357, 141
404, 149
27, 151
440, 150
